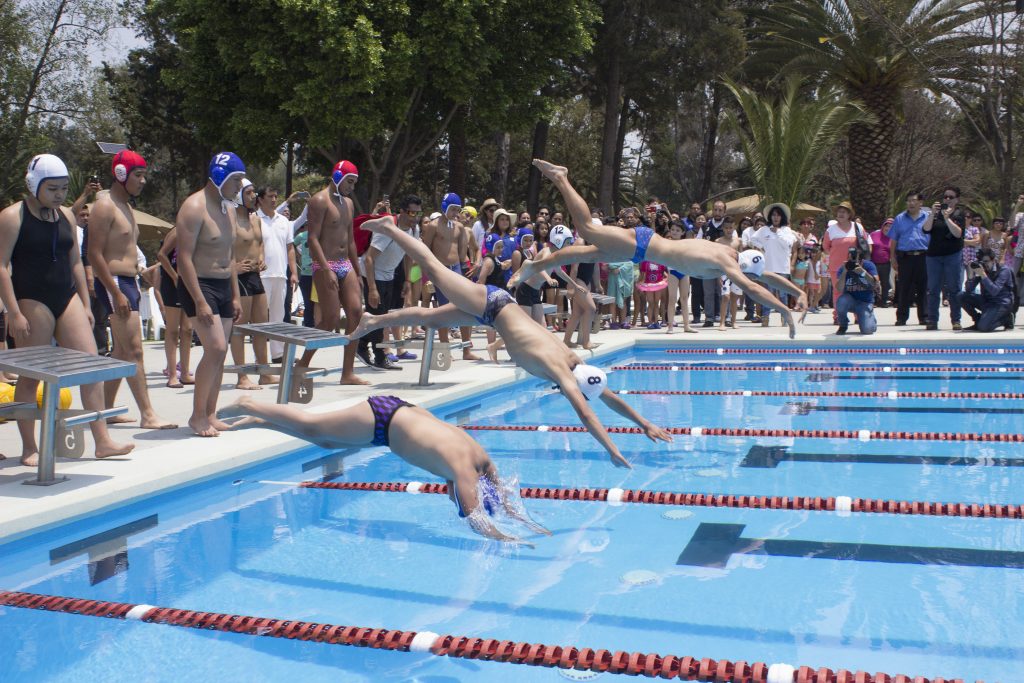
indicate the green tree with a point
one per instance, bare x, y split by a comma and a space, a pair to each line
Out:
873, 50
785, 137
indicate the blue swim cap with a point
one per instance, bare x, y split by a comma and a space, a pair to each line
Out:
489, 241
490, 499
450, 199
223, 165
523, 232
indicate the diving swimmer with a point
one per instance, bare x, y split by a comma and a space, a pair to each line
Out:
412, 434
529, 344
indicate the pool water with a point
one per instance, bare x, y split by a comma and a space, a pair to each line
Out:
923, 596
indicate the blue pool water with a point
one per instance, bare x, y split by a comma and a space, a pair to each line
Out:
407, 562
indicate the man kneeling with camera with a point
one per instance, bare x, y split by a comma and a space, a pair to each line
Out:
858, 286
993, 307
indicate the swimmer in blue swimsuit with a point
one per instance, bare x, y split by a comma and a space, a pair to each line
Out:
529, 344
701, 259
412, 434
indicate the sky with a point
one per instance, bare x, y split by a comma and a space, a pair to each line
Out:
115, 48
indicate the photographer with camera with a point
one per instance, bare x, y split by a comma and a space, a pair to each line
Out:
944, 261
993, 307
858, 285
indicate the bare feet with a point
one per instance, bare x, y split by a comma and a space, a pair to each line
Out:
669, 331
353, 379
188, 379
269, 379
492, 350
378, 224
202, 427
112, 448
245, 384
219, 425
239, 407
154, 422
247, 421
30, 459
551, 171
469, 355
175, 384
120, 420
364, 327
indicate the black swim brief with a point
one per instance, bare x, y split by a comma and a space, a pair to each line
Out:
216, 292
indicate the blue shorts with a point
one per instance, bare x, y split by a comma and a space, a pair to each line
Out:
438, 294
129, 286
643, 240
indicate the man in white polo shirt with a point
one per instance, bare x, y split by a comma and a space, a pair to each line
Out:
776, 240
278, 255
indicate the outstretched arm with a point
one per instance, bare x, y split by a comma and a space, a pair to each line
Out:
779, 282
467, 498
589, 419
557, 259
759, 294
653, 431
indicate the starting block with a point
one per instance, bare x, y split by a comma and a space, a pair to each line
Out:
296, 383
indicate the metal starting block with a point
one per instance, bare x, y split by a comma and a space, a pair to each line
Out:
57, 368
291, 388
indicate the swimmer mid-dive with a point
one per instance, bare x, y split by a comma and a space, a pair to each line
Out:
412, 434
696, 258
530, 345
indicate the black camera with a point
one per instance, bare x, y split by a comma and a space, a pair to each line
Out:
974, 264
852, 260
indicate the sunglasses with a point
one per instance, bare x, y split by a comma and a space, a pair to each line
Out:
949, 196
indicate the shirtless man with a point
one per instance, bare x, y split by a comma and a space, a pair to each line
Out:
333, 251
207, 285
697, 258
248, 264
113, 254
412, 434
448, 240
530, 345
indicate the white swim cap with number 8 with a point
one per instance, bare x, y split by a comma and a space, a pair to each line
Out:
591, 380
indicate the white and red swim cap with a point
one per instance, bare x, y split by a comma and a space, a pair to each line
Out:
342, 170
124, 162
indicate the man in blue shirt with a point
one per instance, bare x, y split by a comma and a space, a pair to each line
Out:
907, 251
994, 305
858, 286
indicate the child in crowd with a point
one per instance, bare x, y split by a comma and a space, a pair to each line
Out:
653, 284
678, 287
814, 275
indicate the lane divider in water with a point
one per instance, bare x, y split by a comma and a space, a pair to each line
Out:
899, 351
462, 647
832, 394
812, 368
843, 505
859, 434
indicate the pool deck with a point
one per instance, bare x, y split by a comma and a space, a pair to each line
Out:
166, 459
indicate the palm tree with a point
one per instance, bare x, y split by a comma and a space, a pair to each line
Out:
785, 137
873, 50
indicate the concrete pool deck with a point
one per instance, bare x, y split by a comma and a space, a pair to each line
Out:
166, 459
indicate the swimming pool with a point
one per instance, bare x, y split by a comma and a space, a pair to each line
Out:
897, 593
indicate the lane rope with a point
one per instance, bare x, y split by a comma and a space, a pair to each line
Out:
815, 368
859, 434
616, 496
894, 350
462, 647
832, 394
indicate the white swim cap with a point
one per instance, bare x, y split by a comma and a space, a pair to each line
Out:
238, 201
752, 262
560, 236
591, 380
43, 167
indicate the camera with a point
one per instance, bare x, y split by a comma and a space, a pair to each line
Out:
943, 206
94, 179
974, 264
852, 259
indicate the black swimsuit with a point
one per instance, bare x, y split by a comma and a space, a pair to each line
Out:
41, 262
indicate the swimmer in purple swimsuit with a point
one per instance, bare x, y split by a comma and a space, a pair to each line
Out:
412, 434
697, 258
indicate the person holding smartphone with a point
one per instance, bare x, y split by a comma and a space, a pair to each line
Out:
858, 285
944, 262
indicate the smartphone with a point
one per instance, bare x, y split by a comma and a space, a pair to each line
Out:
387, 199
302, 195
94, 179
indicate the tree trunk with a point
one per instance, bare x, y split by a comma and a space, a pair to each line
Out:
457, 153
870, 148
540, 145
620, 143
707, 171
499, 176
609, 136
289, 164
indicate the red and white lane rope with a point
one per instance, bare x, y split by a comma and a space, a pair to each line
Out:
896, 351
833, 394
615, 496
860, 434
463, 647
814, 368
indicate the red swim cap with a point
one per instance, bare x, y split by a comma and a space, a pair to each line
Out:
124, 162
343, 169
